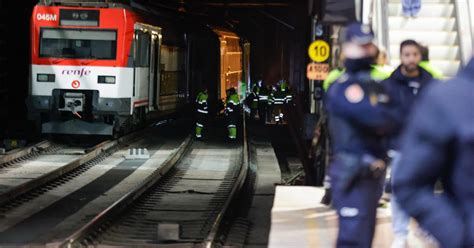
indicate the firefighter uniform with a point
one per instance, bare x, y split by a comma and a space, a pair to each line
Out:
232, 113
278, 101
201, 112
279, 98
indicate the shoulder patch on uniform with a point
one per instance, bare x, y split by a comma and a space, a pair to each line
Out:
354, 93
374, 100
365, 29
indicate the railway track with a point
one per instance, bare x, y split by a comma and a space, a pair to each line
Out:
40, 169
22, 154
52, 204
189, 195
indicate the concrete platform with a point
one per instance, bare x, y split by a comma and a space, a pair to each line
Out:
300, 220
31, 169
265, 164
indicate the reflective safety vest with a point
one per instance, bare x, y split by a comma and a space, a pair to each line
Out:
288, 97
201, 101
279, 98
263, 95
256, 89
431, 69
378, 73
232, 103
254, 100
333, 76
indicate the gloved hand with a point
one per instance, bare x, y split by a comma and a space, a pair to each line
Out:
377, 168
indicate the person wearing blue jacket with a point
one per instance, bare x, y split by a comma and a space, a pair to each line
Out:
439, 145
404, 86
360, 117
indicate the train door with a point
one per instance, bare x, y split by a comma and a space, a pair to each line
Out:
154, 83
142, 67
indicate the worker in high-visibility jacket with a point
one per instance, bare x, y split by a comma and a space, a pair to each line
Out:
232, 113
286, 89
279, 99
202, 112
252, 102
427, 65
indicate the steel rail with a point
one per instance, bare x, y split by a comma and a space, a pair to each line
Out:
23, 152
211, 237
118, 206
48, 177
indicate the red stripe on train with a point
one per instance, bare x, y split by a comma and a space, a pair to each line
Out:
141, 102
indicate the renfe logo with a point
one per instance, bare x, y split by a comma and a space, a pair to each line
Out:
46, 17
76, 84
76, 72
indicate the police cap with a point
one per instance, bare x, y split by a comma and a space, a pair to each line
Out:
359, 33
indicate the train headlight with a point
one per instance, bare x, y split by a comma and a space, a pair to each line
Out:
84, 15
106, 80
50, 78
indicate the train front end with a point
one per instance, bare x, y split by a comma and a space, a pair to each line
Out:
81, 75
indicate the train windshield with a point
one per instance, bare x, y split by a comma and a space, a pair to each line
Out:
78, 44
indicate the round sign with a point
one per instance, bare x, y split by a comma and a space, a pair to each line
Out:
319, 51
75, 84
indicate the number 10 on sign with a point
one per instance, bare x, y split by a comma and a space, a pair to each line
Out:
319, 51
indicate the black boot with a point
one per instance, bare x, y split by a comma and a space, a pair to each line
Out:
327, 198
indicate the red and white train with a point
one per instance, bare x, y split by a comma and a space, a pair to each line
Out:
103, 69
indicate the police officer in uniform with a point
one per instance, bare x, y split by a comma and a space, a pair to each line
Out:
439, 144
232, 113
360, 115
201, 112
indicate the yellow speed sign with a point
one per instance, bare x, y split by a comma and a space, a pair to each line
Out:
319, 51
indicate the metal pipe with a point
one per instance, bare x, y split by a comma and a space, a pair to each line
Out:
311, 82
470, 12
277, 20
244, 5
471, 21
358, 10
465, 37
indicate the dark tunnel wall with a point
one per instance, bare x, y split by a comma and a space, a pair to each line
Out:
15, 33
279, 39
3, 62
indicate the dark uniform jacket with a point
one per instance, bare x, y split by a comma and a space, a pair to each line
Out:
360, 114
439, 144
403, 91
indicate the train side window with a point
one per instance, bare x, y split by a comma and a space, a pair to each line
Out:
143, 49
